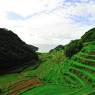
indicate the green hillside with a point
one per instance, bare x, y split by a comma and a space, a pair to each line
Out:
58, 73
14, 52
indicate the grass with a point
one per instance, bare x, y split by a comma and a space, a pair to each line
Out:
84, 91
81, 82
61, 75
87, 56
7, 80
84, 66
89, 43
47, 90
85, 61
88, 49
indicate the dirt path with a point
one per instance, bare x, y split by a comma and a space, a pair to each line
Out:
91, 93
16, 84
31, 81
28, 87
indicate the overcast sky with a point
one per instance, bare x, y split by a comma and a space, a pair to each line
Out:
47, 21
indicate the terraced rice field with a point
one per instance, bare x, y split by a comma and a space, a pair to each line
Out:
58, 75
22, 86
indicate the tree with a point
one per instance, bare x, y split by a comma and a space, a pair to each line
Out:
89, 35
73, 47
13, 51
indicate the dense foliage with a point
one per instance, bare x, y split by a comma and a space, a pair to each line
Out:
73, 47
89, 35
33, 47
56, 74
59, 47
76, 45
13, 51
0, 91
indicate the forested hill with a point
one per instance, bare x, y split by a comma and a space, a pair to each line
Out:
89, 36
33, 47
65, 70
76, 45
13, 51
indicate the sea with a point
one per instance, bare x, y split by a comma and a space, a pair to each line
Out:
43, 48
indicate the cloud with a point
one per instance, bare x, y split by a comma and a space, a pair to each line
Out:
29, 7
47, 21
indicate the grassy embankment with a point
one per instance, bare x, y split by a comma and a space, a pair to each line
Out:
56, 75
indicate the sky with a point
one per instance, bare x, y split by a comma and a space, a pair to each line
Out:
47, 21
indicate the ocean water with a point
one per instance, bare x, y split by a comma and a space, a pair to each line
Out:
45, 47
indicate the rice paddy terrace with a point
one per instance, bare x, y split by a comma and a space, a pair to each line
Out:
56, 75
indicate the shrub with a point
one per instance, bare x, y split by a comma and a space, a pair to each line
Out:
58, 48
13, 51
89, 36
73, 47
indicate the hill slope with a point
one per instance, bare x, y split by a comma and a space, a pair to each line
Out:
33, 47
56, 75
13, 51
89, 35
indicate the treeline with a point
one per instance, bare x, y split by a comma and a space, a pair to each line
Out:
58, 48
73, 47
76, 45
89, 36
33, 47
13, 51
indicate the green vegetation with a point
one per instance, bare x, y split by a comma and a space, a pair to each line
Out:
89, 36
62, 71
13, 51
58, 48
73, 47
33, 47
